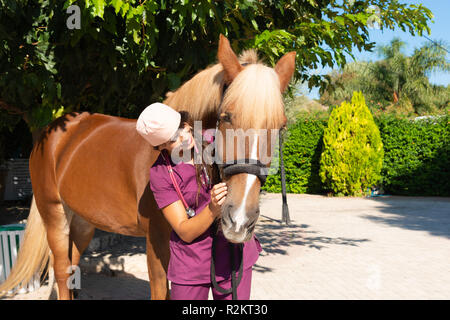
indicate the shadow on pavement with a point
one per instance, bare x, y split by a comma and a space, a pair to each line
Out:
422, 214
103, 287
276, 238
104, 275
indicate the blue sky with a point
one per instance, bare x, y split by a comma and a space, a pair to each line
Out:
440, 30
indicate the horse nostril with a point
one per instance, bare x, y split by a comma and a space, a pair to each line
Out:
225, 221
229, 221
252, 225
226, 217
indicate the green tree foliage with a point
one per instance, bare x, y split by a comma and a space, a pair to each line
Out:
127, 54
299, 105
352, 157
397, 83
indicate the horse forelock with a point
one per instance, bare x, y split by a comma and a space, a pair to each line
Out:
254, 99
249, 56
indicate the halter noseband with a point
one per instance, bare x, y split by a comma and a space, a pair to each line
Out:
245, 166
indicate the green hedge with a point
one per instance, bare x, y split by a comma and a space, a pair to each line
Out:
416, 156
301, 154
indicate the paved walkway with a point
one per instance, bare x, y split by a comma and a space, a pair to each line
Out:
336, 248
353, 248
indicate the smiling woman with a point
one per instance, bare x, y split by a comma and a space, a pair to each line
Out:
179, 188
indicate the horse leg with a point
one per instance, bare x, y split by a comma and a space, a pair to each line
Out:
158, 255
81, 234
157, 271
57, 223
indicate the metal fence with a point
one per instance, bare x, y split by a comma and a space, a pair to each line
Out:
11, 237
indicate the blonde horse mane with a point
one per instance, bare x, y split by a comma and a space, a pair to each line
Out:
256, 91
200, 95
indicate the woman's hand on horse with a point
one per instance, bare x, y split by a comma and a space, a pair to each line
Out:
218, 196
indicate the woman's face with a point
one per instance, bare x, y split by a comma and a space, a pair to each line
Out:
183, 140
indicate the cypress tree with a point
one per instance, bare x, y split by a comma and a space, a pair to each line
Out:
353, 153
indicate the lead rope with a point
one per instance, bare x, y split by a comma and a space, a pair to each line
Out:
234, 282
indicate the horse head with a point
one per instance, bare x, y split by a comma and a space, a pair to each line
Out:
250, 116
241, 97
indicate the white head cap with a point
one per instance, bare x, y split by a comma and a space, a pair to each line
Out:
158, 123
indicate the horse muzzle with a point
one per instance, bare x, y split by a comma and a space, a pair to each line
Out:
238, 227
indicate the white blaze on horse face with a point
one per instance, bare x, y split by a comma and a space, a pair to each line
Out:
241, 216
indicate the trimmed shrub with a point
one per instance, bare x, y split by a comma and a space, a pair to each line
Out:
352, 157
417, 156
301, 153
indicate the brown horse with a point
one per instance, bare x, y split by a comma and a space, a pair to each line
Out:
92, 171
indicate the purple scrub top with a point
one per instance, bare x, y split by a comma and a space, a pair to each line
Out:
190, 262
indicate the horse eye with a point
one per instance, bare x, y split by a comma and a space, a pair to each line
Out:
225, 116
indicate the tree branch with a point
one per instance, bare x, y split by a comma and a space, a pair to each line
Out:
11, 109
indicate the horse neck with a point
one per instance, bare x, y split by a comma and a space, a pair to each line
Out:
208, 118
201, 96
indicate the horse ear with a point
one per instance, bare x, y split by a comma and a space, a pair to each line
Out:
285, 68
228, 59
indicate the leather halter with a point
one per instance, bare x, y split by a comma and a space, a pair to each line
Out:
249, 166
